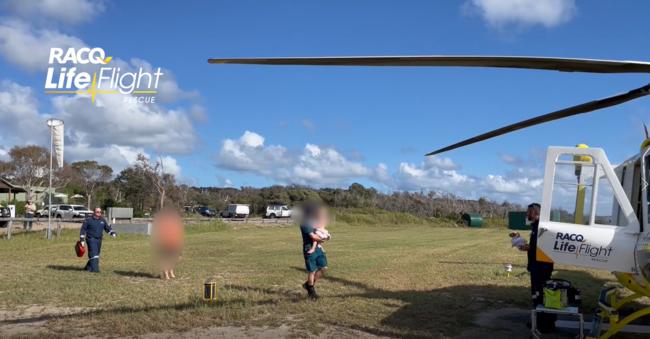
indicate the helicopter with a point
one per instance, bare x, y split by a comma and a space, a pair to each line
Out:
593, 214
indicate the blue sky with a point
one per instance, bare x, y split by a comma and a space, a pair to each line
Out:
370, 125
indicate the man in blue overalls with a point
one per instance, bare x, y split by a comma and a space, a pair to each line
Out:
91, 233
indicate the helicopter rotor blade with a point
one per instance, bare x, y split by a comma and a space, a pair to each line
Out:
563, 113
541, 63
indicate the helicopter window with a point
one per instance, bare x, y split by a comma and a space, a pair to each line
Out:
608, 211
572, 192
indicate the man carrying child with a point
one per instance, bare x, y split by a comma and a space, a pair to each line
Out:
313, 233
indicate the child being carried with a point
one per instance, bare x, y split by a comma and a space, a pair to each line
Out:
321, 233
517, 240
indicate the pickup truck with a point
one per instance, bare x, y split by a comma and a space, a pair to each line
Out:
42, 213
236, 211
278, 211
71, 212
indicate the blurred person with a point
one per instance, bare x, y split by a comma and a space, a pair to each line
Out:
30, 210
314, 217
91, 234
168, 240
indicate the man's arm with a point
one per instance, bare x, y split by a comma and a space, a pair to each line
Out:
82, 232
108, 229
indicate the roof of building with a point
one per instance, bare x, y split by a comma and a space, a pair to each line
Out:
6, 187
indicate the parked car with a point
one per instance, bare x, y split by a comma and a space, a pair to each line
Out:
4, 213
42, 213
72, 211
236, 211
278, 211
205, 211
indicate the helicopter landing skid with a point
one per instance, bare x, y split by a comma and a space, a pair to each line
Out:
609, 303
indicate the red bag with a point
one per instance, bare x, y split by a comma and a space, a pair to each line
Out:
80, 249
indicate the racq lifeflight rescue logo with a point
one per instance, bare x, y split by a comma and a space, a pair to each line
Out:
65, 76
572, 243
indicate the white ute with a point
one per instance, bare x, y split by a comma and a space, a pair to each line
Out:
236, 211
278, 211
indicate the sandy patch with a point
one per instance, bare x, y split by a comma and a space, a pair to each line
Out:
284, 331
29, 320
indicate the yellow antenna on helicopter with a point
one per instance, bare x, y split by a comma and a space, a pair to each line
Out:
580, 194
645, 142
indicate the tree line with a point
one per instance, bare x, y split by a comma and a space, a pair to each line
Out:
147, 187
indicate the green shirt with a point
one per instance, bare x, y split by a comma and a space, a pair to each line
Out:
306, 229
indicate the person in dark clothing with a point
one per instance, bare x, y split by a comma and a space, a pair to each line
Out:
91, 235
540, 271
316, 262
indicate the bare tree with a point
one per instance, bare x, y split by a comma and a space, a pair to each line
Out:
29, 166
157, 175
91, 174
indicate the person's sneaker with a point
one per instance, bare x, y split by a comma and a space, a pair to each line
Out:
305, 286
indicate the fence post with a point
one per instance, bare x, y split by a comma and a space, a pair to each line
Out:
9, 229
58, 228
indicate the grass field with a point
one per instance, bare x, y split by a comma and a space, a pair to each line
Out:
415, 280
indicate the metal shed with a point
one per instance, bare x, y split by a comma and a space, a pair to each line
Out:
517, 221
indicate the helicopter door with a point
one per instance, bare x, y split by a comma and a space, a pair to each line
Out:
586, 218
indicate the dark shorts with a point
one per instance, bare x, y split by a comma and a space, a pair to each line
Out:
315, 261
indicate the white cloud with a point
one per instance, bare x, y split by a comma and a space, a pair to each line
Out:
112, 131
29, 48
249, 154
171, 166
20, 121
168, 89
113, 134
314, 165
442, 163
430, 176
65, 11
111, 120
251, 139
324, 166
548, 13
118, 157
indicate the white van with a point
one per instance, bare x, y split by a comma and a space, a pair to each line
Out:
236, 211
278, 211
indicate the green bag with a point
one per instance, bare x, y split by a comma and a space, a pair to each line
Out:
553, 298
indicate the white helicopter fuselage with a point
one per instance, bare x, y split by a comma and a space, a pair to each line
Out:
594, 215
